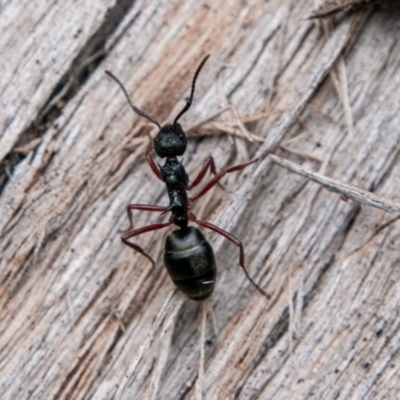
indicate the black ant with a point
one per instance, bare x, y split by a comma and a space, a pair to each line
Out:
188, 257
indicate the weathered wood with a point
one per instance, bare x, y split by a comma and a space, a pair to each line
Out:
77, 306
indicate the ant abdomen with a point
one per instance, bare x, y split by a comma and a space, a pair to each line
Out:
190, 262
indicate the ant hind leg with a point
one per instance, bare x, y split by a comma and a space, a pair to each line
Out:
136, 232
236, 242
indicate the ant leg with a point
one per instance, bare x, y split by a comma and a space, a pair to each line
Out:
142, 207
219, 176
235, 241
135, 232
209, 163
154, 166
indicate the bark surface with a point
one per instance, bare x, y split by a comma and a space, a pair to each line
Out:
82, 316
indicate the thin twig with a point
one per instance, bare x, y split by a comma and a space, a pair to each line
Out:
204, 121
200, 378
165, 345
334, 185
168, 303
213, 319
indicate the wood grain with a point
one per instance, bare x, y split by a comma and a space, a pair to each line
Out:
79, 310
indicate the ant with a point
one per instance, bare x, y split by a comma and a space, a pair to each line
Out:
188, 257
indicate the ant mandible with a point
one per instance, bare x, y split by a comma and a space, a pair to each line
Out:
188, 256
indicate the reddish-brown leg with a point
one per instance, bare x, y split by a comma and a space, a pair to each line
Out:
235, 241
154, 166
141, 207
139, 231
209, 164
219, 176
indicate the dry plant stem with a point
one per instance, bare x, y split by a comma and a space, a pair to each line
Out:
298, 309
165, 345
218, 127
225, 102
120, 321
339, 78
173, 301
71, 81
25, 149
200, 377
331, 7
204, 121
357, 25
237, 120
277, 62
229, 125
291, 311
306, 156
210, 311
334, 185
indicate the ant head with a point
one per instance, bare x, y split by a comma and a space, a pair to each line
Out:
171, 140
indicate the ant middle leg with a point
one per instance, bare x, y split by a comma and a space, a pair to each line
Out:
141, 207
236, 242
217, 177
154, 166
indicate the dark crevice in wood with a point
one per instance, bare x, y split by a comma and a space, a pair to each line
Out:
43, 169
81, 68
20, 276
392, 357
281, 328
286, 66
142, 297
96, 295
387, 174
315, 289
187, 389
109, 354
277, 332
351, 220
253, 65
330, 8
78, 368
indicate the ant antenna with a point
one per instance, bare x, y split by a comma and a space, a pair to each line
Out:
134, 108
189, 102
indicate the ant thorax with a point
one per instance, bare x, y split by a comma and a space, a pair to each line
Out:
176, 180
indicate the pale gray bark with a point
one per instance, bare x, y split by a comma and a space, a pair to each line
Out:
79, 310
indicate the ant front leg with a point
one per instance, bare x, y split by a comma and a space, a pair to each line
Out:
217, 177
154, 166
209, 164
236, 242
